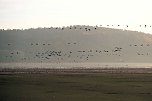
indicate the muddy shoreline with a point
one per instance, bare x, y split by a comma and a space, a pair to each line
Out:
73, 70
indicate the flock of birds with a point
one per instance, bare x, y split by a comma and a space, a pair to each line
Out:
49, 55
75, 27
58, 56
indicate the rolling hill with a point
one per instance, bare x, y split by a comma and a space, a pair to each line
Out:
75, 44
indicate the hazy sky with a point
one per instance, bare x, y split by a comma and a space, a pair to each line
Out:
45, 13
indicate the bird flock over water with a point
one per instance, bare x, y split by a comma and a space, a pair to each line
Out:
74, 55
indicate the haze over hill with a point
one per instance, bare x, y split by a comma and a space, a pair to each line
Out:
75, 44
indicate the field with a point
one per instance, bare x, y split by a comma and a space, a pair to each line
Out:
77, 86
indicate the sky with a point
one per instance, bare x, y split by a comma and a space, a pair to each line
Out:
46, 13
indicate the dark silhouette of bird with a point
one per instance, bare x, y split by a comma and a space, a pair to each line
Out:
106, 51
145, 26
148, 45
47, 58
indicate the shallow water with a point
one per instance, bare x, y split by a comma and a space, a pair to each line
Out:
75, 65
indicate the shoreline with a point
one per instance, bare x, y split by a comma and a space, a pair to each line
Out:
5, 71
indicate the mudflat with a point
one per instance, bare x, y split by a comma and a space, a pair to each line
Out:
76, 85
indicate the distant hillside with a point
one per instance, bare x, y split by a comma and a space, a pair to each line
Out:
75, 44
